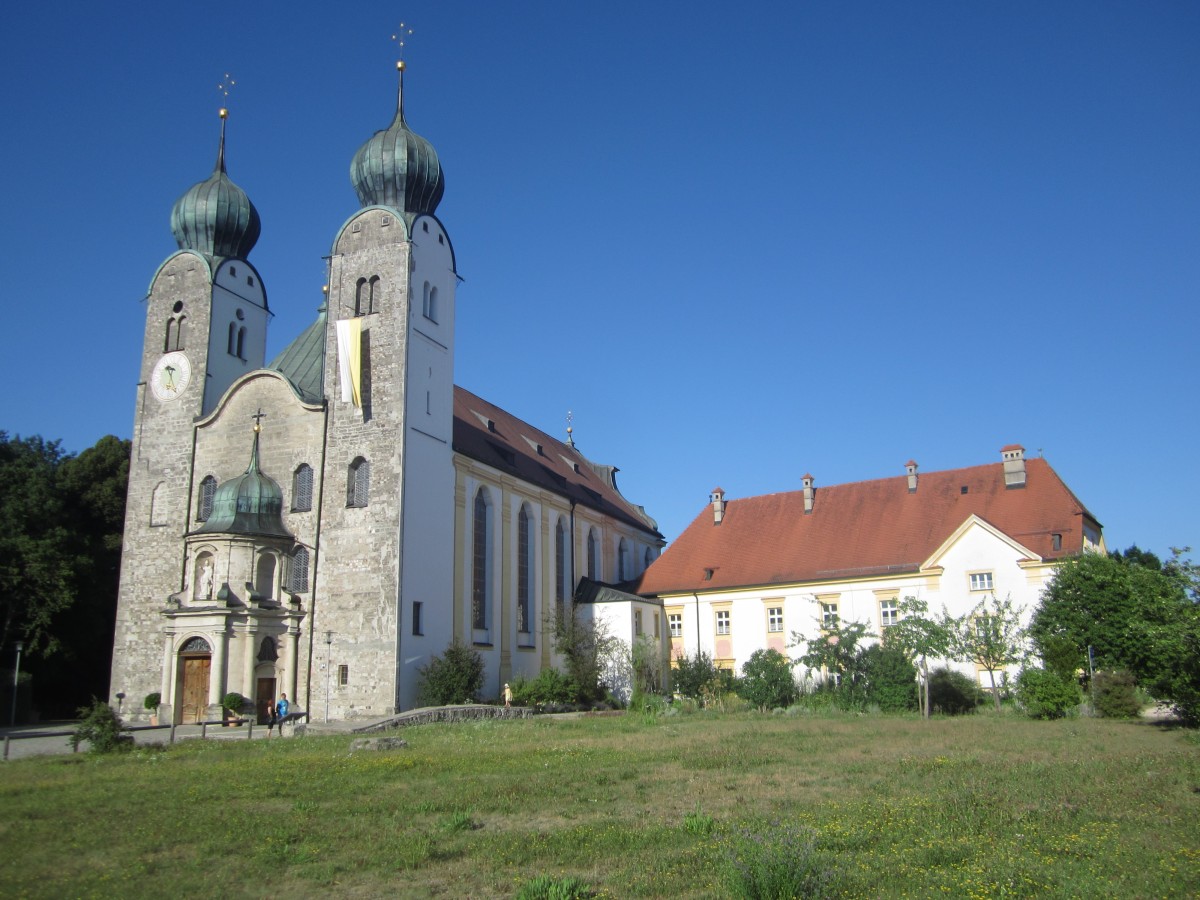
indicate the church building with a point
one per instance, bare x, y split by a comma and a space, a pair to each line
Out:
324, 524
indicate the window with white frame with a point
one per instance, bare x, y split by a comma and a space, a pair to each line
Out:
829, 615
889, 612
637, 622
675, 622
723, 619
774, 619
981, 581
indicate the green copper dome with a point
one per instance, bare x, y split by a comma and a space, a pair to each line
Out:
249, 504
398, 167
215, 217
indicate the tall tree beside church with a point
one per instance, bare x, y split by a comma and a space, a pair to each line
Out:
990, 635
61, 521
36, 568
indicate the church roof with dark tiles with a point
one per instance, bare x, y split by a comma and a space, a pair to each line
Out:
866, 528
490, 435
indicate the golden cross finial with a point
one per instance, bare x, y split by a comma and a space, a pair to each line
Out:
401, 36
225, 87
256, 417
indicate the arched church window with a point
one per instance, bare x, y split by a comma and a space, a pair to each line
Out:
264, 576
481, 561
174, 339
241, 343
208, 490
302, 488
298, 575
158, 504
267, 650
231, 347
623, 573
358, 483
374, 294
196, 645
429, 302
647, 558
524, 568
560, 568
593, 555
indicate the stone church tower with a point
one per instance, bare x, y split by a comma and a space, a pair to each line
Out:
250, 586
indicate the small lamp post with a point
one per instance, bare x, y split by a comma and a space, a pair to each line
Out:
16, 674
328, 667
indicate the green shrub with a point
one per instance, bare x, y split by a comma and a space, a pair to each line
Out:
152, 701
546, 887
891, 678
767, 680
1046, 695
953, 693
699, 822
550, 686
454, 677
777, 864
1114, 695
102, 728
233, 701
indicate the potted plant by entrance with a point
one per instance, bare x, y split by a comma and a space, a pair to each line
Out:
152, 703
232, 703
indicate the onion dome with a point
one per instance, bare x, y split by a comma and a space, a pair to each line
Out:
249, 504
215, 217
398, 167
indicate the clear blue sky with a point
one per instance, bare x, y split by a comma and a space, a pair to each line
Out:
741, 243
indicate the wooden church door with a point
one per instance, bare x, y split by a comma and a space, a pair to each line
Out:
195, 687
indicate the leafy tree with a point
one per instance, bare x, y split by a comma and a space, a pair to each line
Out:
36, 564
834, 649
1135, 555
61, 523
454, 677
1134, 617
990, 635
891, 678
920, 637
767, 680
589, 651
691, 675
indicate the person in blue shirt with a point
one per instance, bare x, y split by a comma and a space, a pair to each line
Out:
281, 710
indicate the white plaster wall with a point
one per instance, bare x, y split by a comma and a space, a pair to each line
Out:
231, 294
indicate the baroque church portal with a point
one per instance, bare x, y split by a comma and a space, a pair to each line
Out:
323, 525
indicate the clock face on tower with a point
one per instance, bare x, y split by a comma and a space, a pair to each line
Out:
171, 376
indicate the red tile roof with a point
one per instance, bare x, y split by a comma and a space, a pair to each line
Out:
865, 528
517, 448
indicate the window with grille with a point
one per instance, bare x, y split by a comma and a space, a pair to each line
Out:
775, 619
302, 488
524, 568
298, 576
358, 483
889, 613
829, 615
480, 553
208, 490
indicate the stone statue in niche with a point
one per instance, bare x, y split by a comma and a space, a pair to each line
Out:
204, 584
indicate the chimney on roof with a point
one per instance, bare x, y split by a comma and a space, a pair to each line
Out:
911, 468
809, 493
1014, 465
718, 501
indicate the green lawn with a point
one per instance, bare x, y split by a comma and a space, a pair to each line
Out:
980, 806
